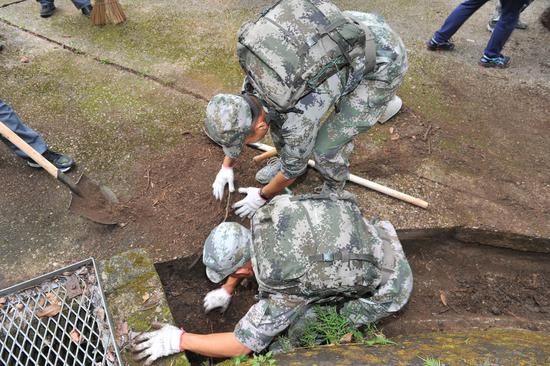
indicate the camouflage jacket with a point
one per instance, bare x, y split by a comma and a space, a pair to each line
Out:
292, 275
294, 134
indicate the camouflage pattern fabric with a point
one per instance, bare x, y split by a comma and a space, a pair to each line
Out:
295, 135
226, 249
283, 307
228, 122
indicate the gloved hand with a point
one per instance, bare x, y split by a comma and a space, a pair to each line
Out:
224, 176
252, 202
217, 299
159, 343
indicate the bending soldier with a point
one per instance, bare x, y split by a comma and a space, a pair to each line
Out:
292, 95
302, 251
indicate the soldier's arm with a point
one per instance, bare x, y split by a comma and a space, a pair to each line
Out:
218, 345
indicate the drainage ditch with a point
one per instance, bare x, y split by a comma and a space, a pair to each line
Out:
456, 286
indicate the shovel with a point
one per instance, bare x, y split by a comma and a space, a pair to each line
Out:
88, 199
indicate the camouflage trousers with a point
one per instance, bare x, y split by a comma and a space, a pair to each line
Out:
361, 109
386, 300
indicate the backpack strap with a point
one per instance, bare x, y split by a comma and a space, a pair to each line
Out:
344, 256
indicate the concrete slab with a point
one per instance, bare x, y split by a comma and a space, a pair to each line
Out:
491, 347
135, 297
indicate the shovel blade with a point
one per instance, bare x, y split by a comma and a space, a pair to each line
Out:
96, 202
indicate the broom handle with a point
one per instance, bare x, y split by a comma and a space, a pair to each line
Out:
363, 182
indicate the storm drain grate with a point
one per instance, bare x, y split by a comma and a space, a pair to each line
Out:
57, 319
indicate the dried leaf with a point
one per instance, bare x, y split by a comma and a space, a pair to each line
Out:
20, 307
75, 336
395, 137
49, 311
52, 298
110, 355
391, 130
25, 60
73, 287
3, 300
146, 297
100, 314
346, 338
41, 301
443, 297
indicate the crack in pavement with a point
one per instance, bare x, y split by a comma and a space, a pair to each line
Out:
103, 61
12, 3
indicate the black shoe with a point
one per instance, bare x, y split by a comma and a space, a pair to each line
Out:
1, 47
61, 162
47, 10
432, 45
500, 62
87, 10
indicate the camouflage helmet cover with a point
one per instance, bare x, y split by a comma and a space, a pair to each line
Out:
226, 249
228, 122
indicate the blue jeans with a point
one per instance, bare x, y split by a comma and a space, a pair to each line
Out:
503, 29
78, 3
10, 119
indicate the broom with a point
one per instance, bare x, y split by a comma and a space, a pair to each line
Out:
98, 13
114, 12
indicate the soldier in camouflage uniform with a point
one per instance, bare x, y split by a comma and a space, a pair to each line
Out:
232, 121
302, 251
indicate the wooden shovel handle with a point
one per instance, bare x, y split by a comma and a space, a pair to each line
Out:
265, 155
27, 149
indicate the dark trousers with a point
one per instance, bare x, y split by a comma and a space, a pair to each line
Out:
78, 3
10, 119
503, 29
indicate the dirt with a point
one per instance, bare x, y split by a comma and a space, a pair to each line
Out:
174, 206
456, 286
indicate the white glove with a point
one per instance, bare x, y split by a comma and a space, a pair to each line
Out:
252, 202
157, 344
225, 176
217, 299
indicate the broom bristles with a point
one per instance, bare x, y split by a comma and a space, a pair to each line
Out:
99, 13
114, 12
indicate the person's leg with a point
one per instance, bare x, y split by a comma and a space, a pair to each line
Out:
31, 137
504, 27
358, 112
455, 20
81, 3
47, 8
391, 295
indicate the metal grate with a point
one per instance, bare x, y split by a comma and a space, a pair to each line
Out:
57, 319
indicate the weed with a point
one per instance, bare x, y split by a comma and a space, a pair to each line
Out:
286, 344
429, 361
237, 360
264, 360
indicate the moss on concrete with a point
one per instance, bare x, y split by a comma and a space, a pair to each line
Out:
495, 346
135, 295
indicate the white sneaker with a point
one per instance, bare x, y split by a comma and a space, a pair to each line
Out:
393, 107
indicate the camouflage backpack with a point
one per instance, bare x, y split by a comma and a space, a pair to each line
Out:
315, 246
295, 45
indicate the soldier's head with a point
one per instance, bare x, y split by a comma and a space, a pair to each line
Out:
233, 120
227, 251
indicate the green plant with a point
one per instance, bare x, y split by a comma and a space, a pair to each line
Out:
264, 360
286, 344
429, 361
237, 360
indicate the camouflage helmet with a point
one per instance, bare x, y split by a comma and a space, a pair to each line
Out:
228, 122
226, 249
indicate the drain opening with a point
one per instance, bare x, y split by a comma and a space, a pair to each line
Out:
57, 319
